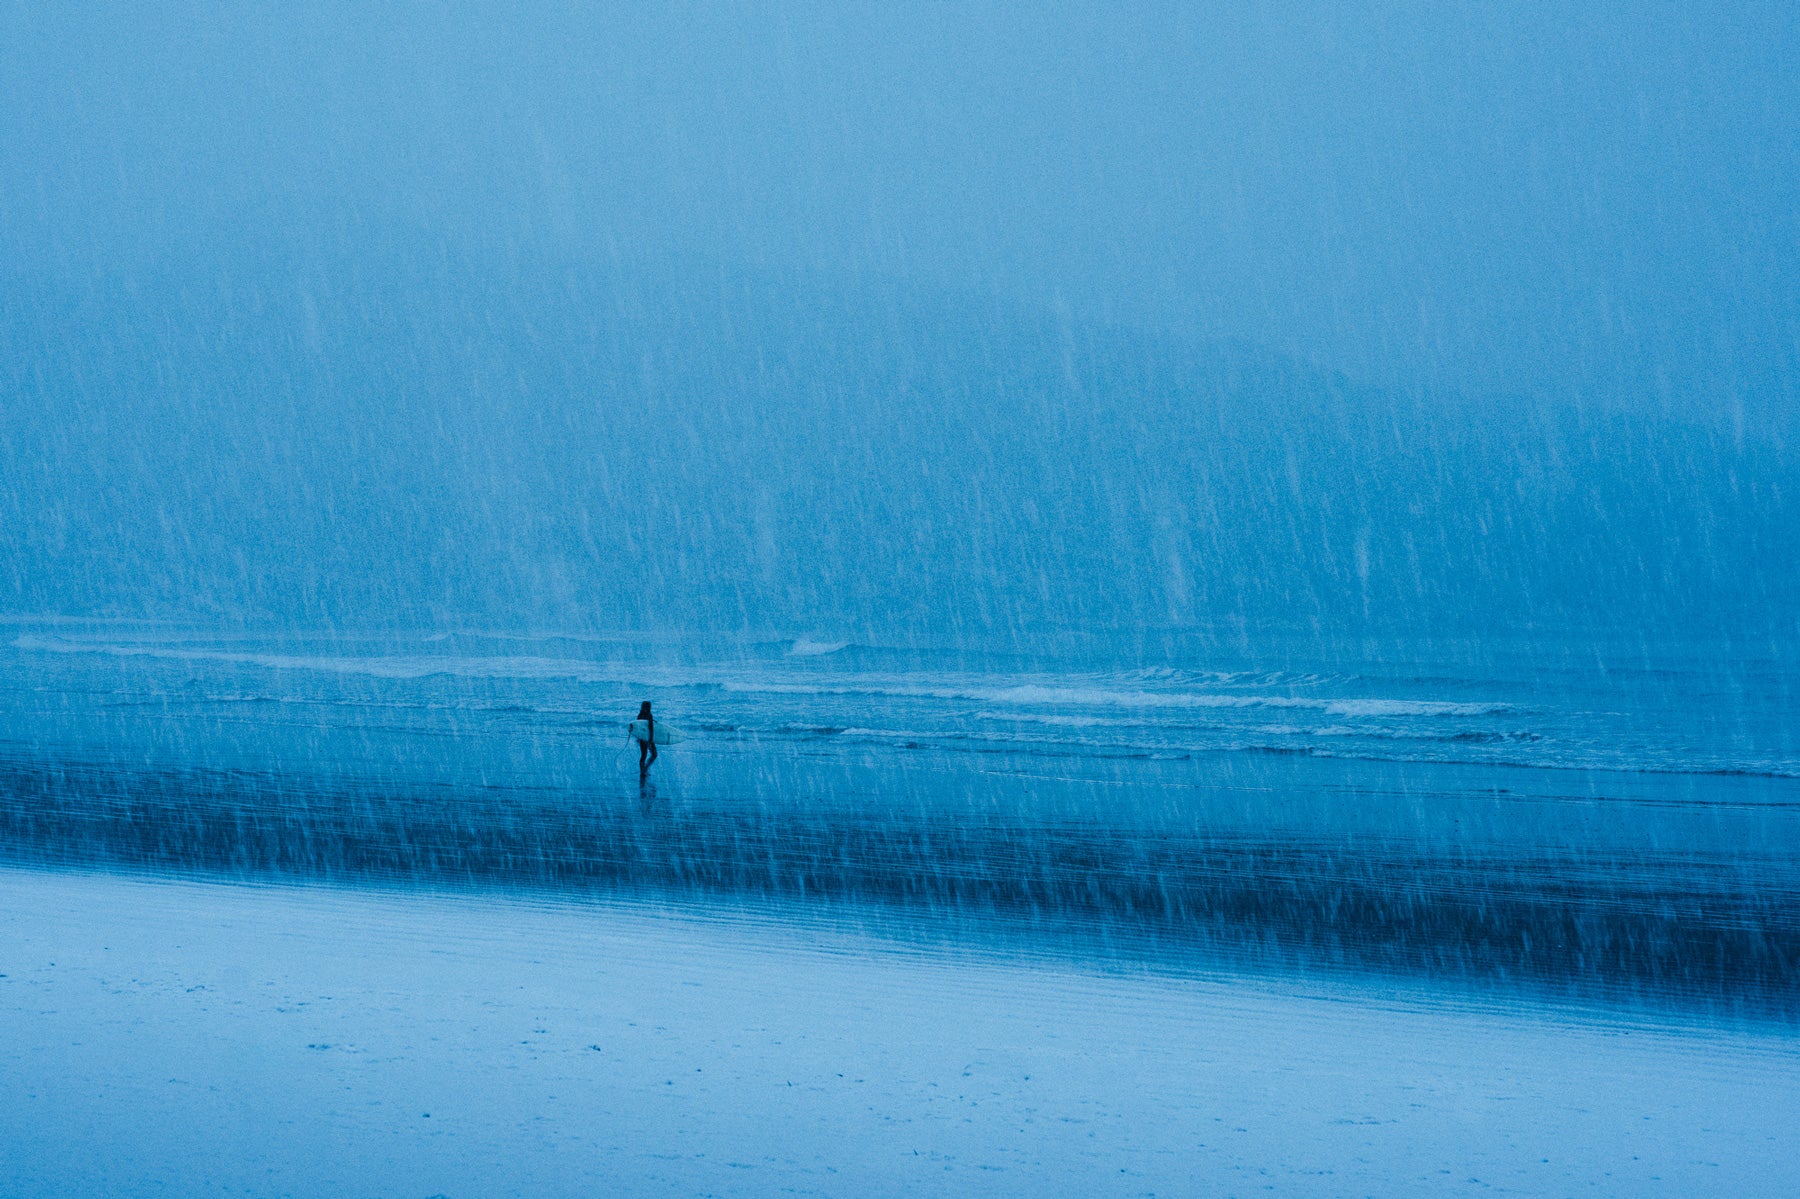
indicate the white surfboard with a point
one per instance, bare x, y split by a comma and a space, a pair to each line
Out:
666, 734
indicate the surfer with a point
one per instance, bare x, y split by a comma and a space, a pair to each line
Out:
644, 729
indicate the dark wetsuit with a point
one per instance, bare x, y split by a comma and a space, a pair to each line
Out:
647, 745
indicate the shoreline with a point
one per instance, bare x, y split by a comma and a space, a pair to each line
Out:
1570, 917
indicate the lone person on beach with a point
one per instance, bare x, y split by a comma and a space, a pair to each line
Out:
644, 729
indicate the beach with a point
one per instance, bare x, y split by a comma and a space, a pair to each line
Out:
178, 1037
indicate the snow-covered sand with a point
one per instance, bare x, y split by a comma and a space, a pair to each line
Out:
168, 1037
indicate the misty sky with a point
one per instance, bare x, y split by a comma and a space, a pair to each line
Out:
972, 319
1571, 198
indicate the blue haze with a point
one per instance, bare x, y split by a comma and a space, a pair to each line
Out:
1314, 485
967, 326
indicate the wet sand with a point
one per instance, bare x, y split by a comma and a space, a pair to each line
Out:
206, 1038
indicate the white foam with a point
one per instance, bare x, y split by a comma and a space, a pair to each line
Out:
1412, 707
805, 647
967, 688
395, 666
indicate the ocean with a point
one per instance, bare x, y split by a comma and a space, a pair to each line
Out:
1611, 820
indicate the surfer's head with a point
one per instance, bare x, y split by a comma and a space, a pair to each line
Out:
644, 710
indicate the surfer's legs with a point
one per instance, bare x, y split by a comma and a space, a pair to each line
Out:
646, 755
